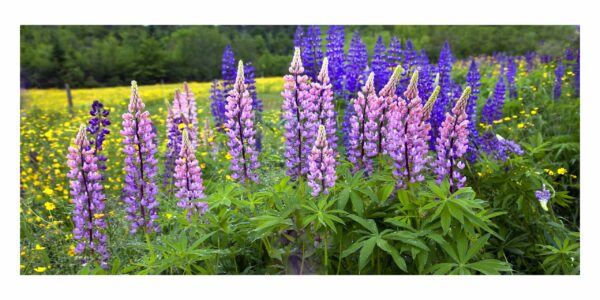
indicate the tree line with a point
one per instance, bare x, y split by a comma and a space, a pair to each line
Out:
94, 56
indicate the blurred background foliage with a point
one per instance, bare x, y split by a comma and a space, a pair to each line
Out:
94, 56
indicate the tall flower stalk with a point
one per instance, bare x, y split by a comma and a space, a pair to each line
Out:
492, 110
388, 98
336, 57
240, 129
379, 64
445, 82
312, 55
296, 91
217, 104
356, 63
474, 81
409, 137
452, 143
188, 176
228, 69
558, 77
88, 198
322, 107
321, 161
357, 153
98, 129
140, 166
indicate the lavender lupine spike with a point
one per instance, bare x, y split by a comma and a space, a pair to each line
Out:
452, 143
242, 136
295, 94
228, 69
492, 110
192, 113
576, 71
321, 162
217, 104
140, 166
408, 144
188, 179
498, 147
474, 81
98, 129
323, 107
558, 78
173, 146
335, 54
378, 64
257, 104
357, 150
388, 98
88, 197
530, 60
312, 55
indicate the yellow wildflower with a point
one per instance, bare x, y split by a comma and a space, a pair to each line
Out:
98, 216
561, 171
39, 247
48, 191
71, 251
533, 112
520, 125
40, 269
228, 156
49, 206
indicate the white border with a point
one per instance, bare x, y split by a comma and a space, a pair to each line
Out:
297, 12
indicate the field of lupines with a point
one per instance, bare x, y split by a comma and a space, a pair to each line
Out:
348, 164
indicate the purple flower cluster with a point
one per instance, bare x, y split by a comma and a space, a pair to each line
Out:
511, 73
379, 113
409, 136
173, 146
217, 104
321, 164
530, 60
320, 109
379, 64
576, 71
558, 76
543, 197
336, 56
425, 79
452, 143
188, 179
240, 129
296, 94
228, 69
474, 81
492, 110
357, 62
445, 83
498, 147
312, 55
257, 104
98, 130
357, 153
140, 166
88, 198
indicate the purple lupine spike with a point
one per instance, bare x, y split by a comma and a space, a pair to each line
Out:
558, 78
322, 107
410, 63
379, 65
492, 110
499, 148
299, 38
192, 113
98, 129
228, 69
335, 54
140, 166
511, 73
173, 146
88, 198
217, 104
312, 56
425, 81
295, 94
474, 81
388, 98
240, 129
357, 154
409, 136
357, 62
321, 162
394, 56
445, 83
543, 197
188, 179
452, 143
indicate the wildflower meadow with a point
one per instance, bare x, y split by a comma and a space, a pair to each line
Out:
353, 158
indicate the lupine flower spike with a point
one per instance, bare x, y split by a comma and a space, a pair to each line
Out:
408, 144
88, 198
188, 176
452, 143
295, 94
98, 129
240, 129
140, 166
357, 153
431, 101
388, 103
321, 162
322, 108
